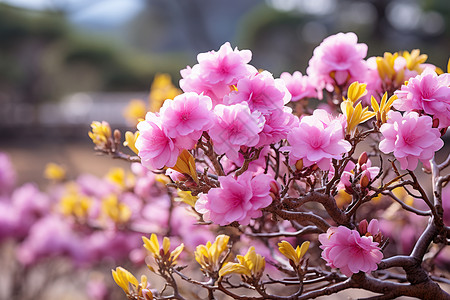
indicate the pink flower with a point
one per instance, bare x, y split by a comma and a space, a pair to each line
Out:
299, 86
237, 199
349, 251
317, 140
411, 138
427, 93
235, 126
50, 236
262, 92
156, 148
192, 81
278, 124
339, 59
226, 65
187, 114
216, 72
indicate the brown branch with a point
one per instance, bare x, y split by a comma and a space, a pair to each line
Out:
329, 204
305, 230
303, 216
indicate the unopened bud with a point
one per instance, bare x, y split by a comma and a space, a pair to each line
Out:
148, 295
435, 123
364, 181
299, 165
363, 158
378, 238
274, 187
117, 136
363, 227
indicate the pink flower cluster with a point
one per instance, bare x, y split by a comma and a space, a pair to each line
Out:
427, 93
178, 126
318, 139
261, 92
349, 251
300, 86
224, 96
216, 71
411, 138
237, 199
338, 60
235, 126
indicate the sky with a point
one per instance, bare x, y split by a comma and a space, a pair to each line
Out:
107, 12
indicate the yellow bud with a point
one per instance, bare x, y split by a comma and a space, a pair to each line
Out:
54, 172
130, 141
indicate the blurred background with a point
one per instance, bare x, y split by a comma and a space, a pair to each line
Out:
65, 63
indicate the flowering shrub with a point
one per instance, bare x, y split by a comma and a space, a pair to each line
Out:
255, 158
318, 200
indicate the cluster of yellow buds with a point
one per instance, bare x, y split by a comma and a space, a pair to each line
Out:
100, 134
135, 111
395, 78
118, 176
251, 266
186, 197
162, 88
163, 257
115, 210
296, 255
73, 203
130, 141
382, 109
54, 172
186, 165
211, 256
131, 286
355, 114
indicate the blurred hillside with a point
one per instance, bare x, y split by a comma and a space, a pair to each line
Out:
47, 56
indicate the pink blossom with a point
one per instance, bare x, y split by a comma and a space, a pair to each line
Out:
411, 138
427, 93
254, 166
9, 219
346, 175
339, 59
226, 65
192, 81
175, 175
349, 251
278, 124
299, 86
235, 126
93, 186
156, 148
237, 199
187, 114
262, 92
317, 140
216, 72
50, 236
